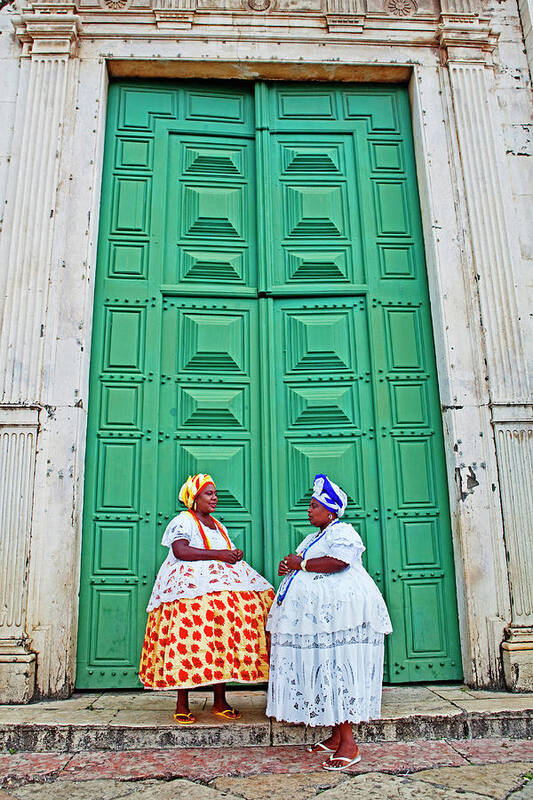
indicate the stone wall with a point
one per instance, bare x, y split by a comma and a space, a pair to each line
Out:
471, 113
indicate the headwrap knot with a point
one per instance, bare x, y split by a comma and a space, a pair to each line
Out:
329, 495
192, 487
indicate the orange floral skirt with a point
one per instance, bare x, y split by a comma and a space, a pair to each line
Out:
214, 638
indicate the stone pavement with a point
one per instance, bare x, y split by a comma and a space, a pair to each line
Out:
143, 720
433, 770
433, 743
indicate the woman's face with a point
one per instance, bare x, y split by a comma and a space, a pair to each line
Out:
206, 500
319, 516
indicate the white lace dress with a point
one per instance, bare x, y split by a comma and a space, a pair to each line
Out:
326, 658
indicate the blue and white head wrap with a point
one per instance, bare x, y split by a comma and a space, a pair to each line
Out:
329, 495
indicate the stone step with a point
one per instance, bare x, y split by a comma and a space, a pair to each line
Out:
137, 720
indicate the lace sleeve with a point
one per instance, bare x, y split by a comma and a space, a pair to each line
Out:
178, 528
345, 544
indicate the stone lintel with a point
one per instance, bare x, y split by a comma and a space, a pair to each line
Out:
258, 70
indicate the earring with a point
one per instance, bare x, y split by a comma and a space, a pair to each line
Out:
331, 516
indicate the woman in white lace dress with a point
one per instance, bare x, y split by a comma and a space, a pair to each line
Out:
327, 625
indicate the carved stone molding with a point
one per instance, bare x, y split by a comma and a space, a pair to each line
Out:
466, 38
178, 14
513, 426
464, 34
115, 5
460, 9
18, 436
345, 16
257, 5
48, 29
174, 14
401, 8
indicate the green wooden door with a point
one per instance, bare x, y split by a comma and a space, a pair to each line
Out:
262, 312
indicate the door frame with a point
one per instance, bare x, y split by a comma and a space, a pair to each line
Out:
432, 304
481, 569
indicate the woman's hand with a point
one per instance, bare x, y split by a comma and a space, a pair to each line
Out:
230, 556
290, 562
293, 561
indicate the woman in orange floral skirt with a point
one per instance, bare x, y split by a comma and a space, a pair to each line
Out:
207, 612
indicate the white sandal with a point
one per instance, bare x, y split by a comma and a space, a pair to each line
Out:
349, 763
320, 746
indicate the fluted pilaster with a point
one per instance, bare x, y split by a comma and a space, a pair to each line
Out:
48, 40
18, 435
490, 236
490, 207
514, 443
31, 205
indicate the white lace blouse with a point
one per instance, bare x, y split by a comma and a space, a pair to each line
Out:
339, 601
177, 579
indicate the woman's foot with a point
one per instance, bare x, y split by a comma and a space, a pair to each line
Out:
332, 744
184, 718
221, 707
182, 703
226, 711
347, 751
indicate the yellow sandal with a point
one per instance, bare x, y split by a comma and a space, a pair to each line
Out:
184, 719
228, 713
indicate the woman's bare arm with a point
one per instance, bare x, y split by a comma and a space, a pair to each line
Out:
324, 564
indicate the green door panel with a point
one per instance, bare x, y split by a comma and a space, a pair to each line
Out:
261, 311
209, 411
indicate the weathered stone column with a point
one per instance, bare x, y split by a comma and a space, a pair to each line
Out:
18, 434
48, 41
468, 41
513, 425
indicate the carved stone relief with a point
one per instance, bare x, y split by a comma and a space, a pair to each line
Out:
114, 5
401, 8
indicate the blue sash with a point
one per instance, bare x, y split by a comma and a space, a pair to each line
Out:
289, 577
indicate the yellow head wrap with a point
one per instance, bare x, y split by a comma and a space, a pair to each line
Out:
192, 487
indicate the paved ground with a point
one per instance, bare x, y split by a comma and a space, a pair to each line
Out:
140, 720
433, 770
433, 743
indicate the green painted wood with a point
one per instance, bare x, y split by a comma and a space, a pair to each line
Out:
356, 382
168, 377
262, 312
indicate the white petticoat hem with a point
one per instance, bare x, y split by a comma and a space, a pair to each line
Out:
335, 678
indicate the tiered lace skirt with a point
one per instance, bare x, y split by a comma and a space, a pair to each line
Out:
326, 678
214, 638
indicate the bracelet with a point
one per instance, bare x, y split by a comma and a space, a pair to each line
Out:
302, 565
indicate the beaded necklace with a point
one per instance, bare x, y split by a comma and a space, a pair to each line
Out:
205, 540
